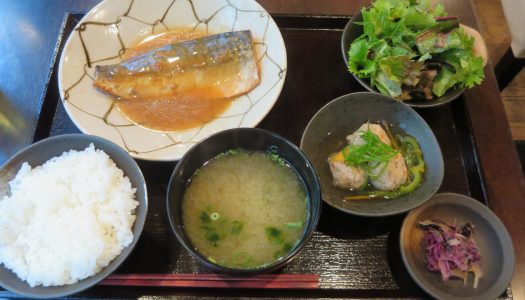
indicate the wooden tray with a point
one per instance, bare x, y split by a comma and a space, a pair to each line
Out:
354, 257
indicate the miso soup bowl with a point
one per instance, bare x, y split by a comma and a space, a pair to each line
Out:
251, 139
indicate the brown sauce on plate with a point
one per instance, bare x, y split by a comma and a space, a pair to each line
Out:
181, 111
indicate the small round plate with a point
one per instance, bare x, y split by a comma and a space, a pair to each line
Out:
114, 26
493, 240
326, 133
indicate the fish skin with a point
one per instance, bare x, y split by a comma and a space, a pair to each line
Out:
225, 61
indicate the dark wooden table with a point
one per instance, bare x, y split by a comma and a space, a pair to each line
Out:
30, 33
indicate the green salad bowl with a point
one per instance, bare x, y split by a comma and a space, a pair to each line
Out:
352, 31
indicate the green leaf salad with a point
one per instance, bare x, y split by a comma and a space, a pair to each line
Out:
411, 50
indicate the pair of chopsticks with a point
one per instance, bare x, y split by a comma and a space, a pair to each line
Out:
266, 281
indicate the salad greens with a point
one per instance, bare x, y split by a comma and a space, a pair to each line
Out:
411, 50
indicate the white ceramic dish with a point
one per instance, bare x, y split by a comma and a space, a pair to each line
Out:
114, 25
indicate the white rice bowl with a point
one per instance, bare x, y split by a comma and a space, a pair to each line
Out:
66, 220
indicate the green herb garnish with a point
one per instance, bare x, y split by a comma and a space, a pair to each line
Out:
413, 157
370, 154
216, 227
204, 217
287, 247
275, 157
213, 237
230, 152
274, 235
236, 227
293, 225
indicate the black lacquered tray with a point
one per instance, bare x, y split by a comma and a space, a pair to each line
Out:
354, 257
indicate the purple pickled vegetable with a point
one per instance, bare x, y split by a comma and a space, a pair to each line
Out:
451, 250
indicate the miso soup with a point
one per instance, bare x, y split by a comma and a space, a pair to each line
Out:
245, 209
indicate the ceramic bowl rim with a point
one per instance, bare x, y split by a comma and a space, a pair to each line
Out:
476, 207
313, 221
126, 252
417, 116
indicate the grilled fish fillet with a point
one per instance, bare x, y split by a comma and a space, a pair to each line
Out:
224, 63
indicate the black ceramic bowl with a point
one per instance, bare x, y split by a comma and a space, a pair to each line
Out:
353, 31
327, 131
248, 139
39, 153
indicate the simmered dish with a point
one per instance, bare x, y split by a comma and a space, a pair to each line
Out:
377, 164
66, 219
245, 209
183, 83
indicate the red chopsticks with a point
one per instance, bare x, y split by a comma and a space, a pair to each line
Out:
266, 281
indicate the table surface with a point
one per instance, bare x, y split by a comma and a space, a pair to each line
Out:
30, 35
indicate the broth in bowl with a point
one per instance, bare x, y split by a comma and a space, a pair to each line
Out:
245, 209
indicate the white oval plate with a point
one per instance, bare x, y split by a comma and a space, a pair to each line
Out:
115, 25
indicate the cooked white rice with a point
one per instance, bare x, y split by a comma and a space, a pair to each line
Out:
67, 219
